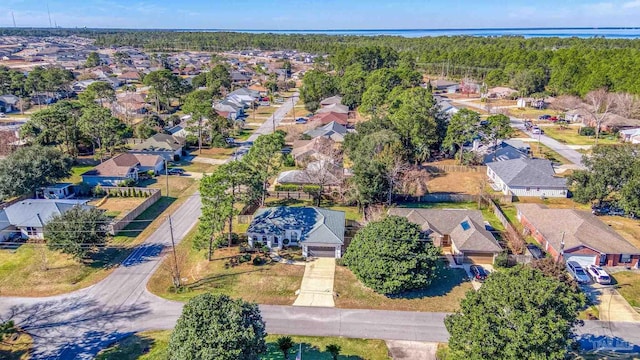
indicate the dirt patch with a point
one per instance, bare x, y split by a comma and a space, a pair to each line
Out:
119, 205
459, 182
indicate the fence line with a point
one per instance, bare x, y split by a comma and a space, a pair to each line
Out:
121, 223
455, 198
515, 241
436, 169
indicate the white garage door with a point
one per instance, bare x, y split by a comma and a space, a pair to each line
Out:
584, 260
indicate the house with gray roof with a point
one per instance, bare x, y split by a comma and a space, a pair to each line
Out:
30, 216
320, 232
576, 235
526, 177
170, 147
6, 229
8, 103
332, 130
508, 150
336, 108
462, 231
337, 99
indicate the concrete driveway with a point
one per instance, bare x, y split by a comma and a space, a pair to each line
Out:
611, 305
317, 283
412, 350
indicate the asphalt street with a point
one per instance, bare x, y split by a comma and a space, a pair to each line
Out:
78, 325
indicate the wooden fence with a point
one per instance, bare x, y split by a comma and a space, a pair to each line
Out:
514, 239
291, 195
437, 169
121, 223
455, 198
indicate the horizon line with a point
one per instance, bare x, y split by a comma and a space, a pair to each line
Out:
335, 30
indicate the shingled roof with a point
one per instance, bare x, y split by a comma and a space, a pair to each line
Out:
527, 173
317, 225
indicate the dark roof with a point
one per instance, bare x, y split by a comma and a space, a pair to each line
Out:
317, 225
160, 142
118, 166
527, 173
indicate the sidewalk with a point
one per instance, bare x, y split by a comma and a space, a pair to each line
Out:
317, 284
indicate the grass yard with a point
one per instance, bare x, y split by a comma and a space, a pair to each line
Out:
570, 136
541, 150
148, 345
314, 348
271, 283
177, 184
459, 182
628, 228
116, 206
443, 295
17, 349
215, 153
529, 113
76, 171
628, 285
153, 345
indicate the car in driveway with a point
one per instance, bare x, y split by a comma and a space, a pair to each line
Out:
478, 272
301, 120
175, 171
536, 130
599, 275
535, 251
578, 273
544, 117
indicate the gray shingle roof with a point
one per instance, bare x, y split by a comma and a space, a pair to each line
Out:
448, 222
337, 108
318, 226
527, 173
4, 220
160, 142
37, 212
332, 130
581, 228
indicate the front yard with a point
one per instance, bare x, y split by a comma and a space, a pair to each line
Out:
153, 345
443, 295
271, 283
628, 285
570, 136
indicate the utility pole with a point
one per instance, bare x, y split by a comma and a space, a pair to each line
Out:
293, 109
561, 257
177, 281
166, 174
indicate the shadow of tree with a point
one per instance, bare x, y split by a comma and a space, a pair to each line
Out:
72, 327
601, 343
444, 280
129, 348
309, 352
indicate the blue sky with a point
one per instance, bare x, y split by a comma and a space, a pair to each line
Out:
321, 14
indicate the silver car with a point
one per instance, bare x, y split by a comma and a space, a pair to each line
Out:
599, 275
578, 272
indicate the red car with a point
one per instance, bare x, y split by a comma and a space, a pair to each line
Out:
553, 119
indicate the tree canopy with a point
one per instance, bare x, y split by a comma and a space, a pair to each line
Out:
518, 313
388, 256
29, 168
77, 232
216, 327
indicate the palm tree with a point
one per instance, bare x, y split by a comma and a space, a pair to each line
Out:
334, 350
285, 344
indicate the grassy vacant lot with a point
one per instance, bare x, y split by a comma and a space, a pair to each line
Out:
628, 228
116, 207
271, 283
570, 136
193, 166
443, 295
459, 182
16, 349
628, 284
215, 153
152, 345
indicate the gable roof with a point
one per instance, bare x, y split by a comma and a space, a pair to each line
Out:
37, 212
148, 160
9, 99
4, 220
332, 130
471, 237
317, 225
337, 99
246, 92
160, 142
325, 118
580, 228
504, 153
339, 108
527, 173
118, 166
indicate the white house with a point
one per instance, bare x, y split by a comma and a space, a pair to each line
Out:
526, 177
30, 216
320, 232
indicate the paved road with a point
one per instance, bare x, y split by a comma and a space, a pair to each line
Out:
562, 149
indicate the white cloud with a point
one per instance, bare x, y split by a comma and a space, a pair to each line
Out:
631, 4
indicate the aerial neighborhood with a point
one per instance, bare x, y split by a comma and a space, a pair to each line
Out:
373, 175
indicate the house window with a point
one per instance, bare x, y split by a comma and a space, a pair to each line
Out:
275, 240
264, 240
294, 236
31, 231
528, 189
624, 258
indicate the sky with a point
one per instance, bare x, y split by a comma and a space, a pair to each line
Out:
320, 14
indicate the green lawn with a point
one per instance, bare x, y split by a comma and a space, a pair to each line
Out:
570, 136
76, 171
153, 345
628, 285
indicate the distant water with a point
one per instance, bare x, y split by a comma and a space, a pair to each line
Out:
608, 32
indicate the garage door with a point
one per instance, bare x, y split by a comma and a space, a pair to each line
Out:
475, 258
584, 260
322, 251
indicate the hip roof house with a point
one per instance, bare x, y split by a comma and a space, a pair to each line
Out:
526, 177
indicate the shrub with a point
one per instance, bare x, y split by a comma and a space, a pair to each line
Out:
244, 258
257, 261
287, 187
502, 260
587, 131
265, 249
224, 238
289, 160
98, 191
311, 189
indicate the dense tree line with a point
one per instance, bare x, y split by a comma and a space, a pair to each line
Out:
40, 79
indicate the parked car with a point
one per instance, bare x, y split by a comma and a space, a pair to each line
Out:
2, 115
301, 120
478, 272
175, 171
528, 124
598, 274
553, 119
488, 227
230, 140
578, 272
544, 117
536, 130
535, 251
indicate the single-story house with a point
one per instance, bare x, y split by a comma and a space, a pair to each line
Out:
322, 172
121, 168
8, 103
462, 230
630, 135
6, 229
319, 148
130, 76
229, 109
332, 130
320, 232
30, 216
508, 150
325, 118
337, 99
337, 108
239, 78
445, 85
526, 177
577, 236
169, 147
447, 107
177, 130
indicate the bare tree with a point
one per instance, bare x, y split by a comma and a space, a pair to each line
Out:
6, 139
171, 265
323, 173
414, 182
600, 103
627, 105
565, 103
